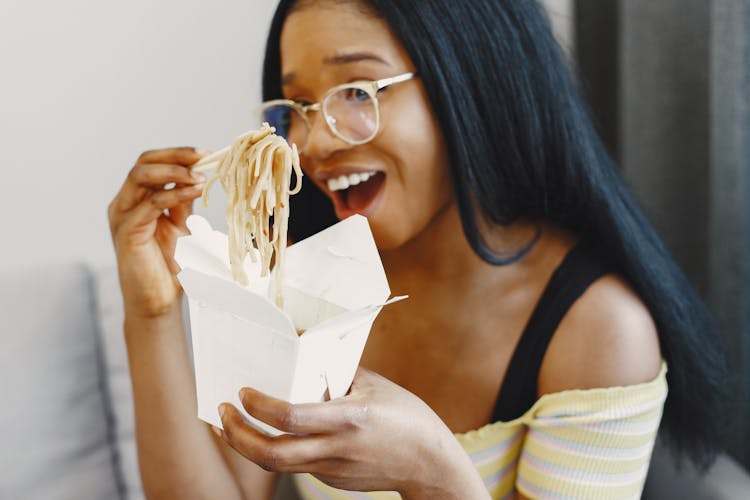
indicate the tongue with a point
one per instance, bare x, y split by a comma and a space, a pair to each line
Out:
359, 197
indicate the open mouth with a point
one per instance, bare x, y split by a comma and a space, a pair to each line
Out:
356, 193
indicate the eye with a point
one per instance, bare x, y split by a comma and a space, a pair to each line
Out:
302, 102
356, 95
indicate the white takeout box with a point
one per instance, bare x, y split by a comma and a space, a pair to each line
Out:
334, 286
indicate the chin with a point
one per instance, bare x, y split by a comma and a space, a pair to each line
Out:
385, 241
388, 235
395, 231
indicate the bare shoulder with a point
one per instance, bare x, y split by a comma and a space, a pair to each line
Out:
607, 338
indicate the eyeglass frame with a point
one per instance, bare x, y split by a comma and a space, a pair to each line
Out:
371, 87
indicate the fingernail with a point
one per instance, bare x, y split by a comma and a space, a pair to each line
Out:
198, 176
221, 411
203, 151
216, 430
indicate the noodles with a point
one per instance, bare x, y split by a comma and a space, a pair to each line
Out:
256, 174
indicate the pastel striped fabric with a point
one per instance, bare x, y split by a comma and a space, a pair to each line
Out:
579, 444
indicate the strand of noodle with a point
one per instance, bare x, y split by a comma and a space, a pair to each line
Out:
266, 170
281, 213
297, 171
255, 172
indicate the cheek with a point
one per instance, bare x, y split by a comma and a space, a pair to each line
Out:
423, 158
421, 182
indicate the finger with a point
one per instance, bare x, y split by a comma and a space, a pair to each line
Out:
127, 197
144, 178
156, 175
284, 453
304, 418
153, 207
181, 156
166, 236
179, 214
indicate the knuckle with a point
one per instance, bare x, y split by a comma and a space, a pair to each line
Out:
185, 154
289, 419
129, 240
111, 211
358, 417
114, 216
183, 174
146, 154
136, 172
270, 460
160, 199
114, 223
265, 467
333, 481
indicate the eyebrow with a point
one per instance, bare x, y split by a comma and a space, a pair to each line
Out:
340, 59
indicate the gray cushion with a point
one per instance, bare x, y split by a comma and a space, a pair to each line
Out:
53, 425
110, 322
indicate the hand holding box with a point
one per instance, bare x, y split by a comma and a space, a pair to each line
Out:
334, 286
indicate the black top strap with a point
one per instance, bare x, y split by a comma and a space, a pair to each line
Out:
578, 270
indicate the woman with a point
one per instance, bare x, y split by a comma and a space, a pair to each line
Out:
528, 360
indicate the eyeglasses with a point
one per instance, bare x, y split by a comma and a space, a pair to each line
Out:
351, 111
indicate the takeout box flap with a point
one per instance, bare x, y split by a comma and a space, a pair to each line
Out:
232, 298
206, 250
340, 264
330, 353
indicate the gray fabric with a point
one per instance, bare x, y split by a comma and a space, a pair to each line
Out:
53, 427
729, 264
684, 134
110, 321
664, 123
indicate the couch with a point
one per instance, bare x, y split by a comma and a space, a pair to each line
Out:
66, 426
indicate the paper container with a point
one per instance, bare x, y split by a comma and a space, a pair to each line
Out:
334, 286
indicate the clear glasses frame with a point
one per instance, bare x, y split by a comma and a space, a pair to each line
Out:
371, 88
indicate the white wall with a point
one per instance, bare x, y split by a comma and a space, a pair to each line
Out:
86, 85
561, 14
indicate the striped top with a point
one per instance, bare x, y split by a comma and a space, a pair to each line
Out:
576, 444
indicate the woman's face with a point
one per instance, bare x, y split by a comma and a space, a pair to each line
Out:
325, 44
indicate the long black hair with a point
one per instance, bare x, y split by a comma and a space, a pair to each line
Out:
521, 144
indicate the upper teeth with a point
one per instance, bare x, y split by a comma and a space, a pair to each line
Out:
343, 182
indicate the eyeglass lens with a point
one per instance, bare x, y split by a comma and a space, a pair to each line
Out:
350, 112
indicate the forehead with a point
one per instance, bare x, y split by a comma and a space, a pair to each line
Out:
322, 32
